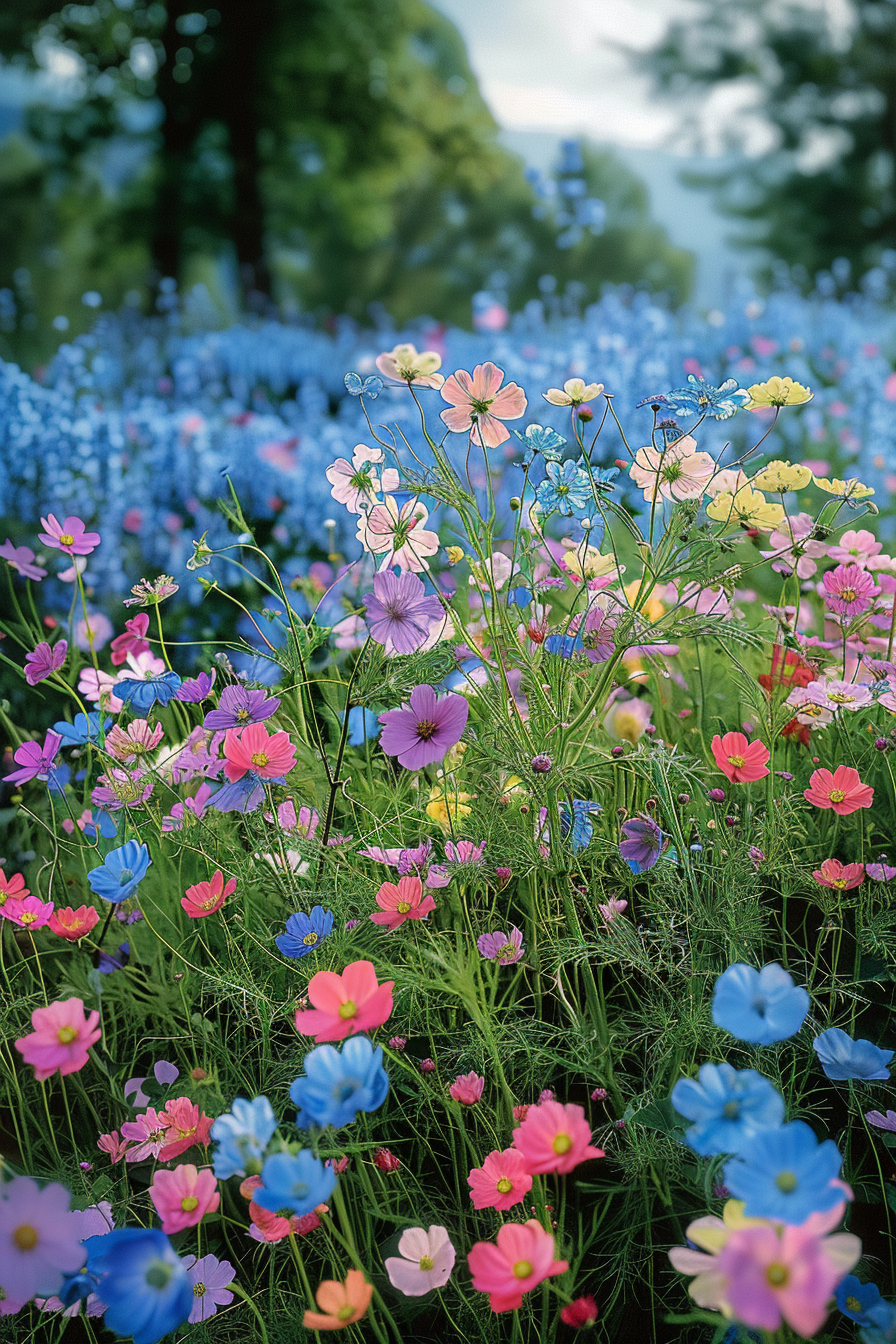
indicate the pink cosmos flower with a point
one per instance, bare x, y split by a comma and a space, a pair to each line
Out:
740, 761
425, 1260
838, 695
44, 660
113, 1145
399, 614
478, 406
268, 1226
119, 788
782, 1274
840, 876
467, 1088
554, 1137
13, 886
209, 1278
253, 749
68, 536
522, 1258
502, 1181
73, 924
206, 898
304, 822
186, 1125
39, 1237
36, 761
841, 790
424, 730
464, 851
676, 472
61, 1038
147, 1133
398, 534
21, 559
138, 739
132, 641
405, 365
507, 948
612, 909
344, 1004
855, 547
356, 484
184, 1196
189, 810
848, 590
401, 902
29, 912
792, 551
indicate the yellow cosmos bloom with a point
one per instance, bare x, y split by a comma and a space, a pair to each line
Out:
455, 554
575, 391
447, 807
651, 606
782, 476
778, 392
586, 562
851, 489
746, 506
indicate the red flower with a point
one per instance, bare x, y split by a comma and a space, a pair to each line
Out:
741, 761
385, 1160
841, 790
788, 670
73, 924
207, 897
581, 1312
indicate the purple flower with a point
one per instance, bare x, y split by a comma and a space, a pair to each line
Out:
880, 872
69, 535
642, 844
209, 1278
121, 788
426, 729
109, 964
189, 809
243, 795
21, 558
196, 689
502, 947
414, 860
399, 615
887, 1121
36, 760
464, 851
598, 635
238, 706
44, 660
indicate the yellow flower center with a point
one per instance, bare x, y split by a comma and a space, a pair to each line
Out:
347, 1009
786, 1182
426, 1263
403, 907
853, 1304
504, 1186
241, 715
199, 1290
841, 697
736, 761
189, 1203
522, 1269
345, 1313
65, 1035
776, 1276
25, 1237
425, 729
836, 795
66, 539
562, 1144
260, 759
27, 917
310, 939
848, 594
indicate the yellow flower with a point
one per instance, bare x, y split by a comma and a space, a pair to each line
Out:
575, 391
405, 365
453, 758
778, 392
748, 507
782, 476
447, 808
651, 606
851, 489
586, 562
455, 554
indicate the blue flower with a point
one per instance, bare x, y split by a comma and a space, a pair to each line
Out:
580, 824
371, 386
564, 646
728, 1106
519, 597
785, 1174
84, 728
841, 1057
882, 1324
102, 824
605, 479
566, 488
158, 688
299, 1182
143, 1282
242, 1135
340, 1083
537, 439
363, 726
121, 873
760, 1007
855, 1298
241, 795
108, 964
701, 398
305, 932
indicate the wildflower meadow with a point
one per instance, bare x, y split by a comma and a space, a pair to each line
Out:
449, 829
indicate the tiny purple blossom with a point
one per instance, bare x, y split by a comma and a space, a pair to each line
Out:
238, 706
880, 872
642, 844
423, 731
21, 559
190, 809
36, 760
69, 535
196, 689
399, 614
500, 946
45, 660
880, 1121
209, 1278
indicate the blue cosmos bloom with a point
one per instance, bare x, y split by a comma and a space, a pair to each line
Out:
340, 1083
58, 777
566, 488
728, 1106
304, 932
242, 795
299, 1182
701, 398
242, 1135
537, 439
841, 1057
579, 825
121, 873
605, 479
77, 1287
882, 1324
363, 726
854, 1299
157, 689
564, 646
785, 1174
107, 963
102, 824
760, 1007
142, 1281
83, 728
519, 597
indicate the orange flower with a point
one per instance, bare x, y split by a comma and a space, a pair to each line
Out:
340, 1303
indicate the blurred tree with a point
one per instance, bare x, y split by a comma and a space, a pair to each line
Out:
818, 80
330, 152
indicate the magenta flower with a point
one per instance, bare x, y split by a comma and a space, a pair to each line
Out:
191, 809
132, 641
467, 1088
399, 614
880, 872
464, 851
21, 559
424, 730
849, 590
147, 1133
29, 912
45, 660
500, 946
68, 536
36, 760
209, 1278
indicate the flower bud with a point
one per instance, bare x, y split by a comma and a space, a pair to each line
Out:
541, 763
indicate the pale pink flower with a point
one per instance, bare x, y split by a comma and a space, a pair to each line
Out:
727, 481
184, 1196
791, 550
467, 1088
113, 1145
837, 695
675, 472
627, 719
784, 1274
499, 567
350, 633
424, 1261
464, 851
855, 547
477, 404
356, 484
398, 535
99, 689
139, 738
612, 909
405, 365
